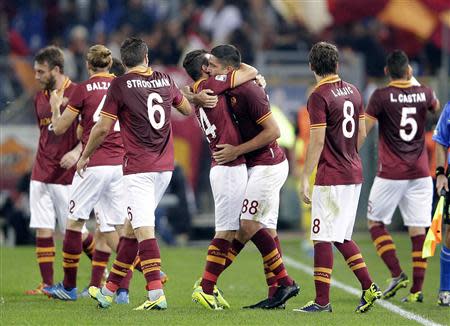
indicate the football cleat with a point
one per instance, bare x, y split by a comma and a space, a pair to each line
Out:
444, 298
122, 296
413, 297
37, 290
283, 294
59, 292
159, 304
104, 301
311, 306
219, 295
264, 304
209, 301
84, 293
396, 283
368, 297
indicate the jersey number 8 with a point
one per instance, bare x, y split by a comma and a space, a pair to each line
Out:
349, 111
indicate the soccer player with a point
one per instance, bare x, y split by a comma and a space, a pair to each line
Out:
53, 168
442, 138
141, 100
228, 181
337, 131
101, 184
267, 172
403, 177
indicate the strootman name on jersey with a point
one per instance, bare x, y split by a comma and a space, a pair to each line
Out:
156, 83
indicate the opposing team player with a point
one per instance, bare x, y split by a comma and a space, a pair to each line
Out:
442, 138
53, 168
228, 181
403, 177
141, 100
336, 113
267, 172
101, 184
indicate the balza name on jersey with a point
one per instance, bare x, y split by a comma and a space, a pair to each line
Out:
409, 98
156, 83
95, 86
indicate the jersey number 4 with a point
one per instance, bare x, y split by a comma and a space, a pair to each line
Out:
208, 128
96, 116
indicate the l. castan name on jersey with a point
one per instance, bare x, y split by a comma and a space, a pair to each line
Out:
408, 98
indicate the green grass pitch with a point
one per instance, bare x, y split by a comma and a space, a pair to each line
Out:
242, 284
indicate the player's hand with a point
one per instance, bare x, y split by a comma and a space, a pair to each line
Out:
70, 159
82, 165
56, 99
227, 153
261, 81
441, 183
205, 99
304, 190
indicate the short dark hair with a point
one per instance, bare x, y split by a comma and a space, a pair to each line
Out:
324, 58
52, 55
228, 54
117, 67
193, 62
397, 64
133, 51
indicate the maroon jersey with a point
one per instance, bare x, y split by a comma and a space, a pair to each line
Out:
250, 106
217, 123
142, 100
337, 106
88, 100
52, 147
401, 109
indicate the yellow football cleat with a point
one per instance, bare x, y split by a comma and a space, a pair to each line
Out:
104, 301
159, 304
413, 297
209, 301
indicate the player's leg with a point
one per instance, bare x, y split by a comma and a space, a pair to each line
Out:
384, 197
43, 219
444, 288
415, 207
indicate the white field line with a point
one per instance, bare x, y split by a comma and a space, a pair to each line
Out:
385, 304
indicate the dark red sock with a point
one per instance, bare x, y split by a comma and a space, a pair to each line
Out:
137, 264
419, 263
234, 250
45, 253
271, 279
278, 243
126, 255
385, 248
215, 263
323, 266
125, 284
99, 262
268, 249
150, 263
72, 248
355, 261
89, 245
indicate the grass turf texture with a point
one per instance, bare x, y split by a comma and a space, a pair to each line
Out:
242, 284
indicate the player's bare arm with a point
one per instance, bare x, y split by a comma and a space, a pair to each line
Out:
184, 107
205, 98
270, 133
361, 132
315, 147
70, 158
441, 179
96, 138
60, 122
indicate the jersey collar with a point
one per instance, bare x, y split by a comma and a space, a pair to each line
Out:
141, 71
328, 80
197, 84
102, 74
401, 83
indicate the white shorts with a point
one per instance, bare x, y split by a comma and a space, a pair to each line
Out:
48, 203
100, 187
228, 185
333, 212
262, 195
143, 193
414, 198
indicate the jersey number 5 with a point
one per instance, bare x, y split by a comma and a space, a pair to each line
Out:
408, 121
349, 111
96, 116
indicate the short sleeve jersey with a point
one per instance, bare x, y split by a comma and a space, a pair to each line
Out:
217, 123
87, 100
51, 147
250, 106
337, 106
441, 134
401, 110
141, 100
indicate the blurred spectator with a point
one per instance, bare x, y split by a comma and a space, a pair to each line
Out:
74, 54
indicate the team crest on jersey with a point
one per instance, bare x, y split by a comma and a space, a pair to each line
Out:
221, 78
